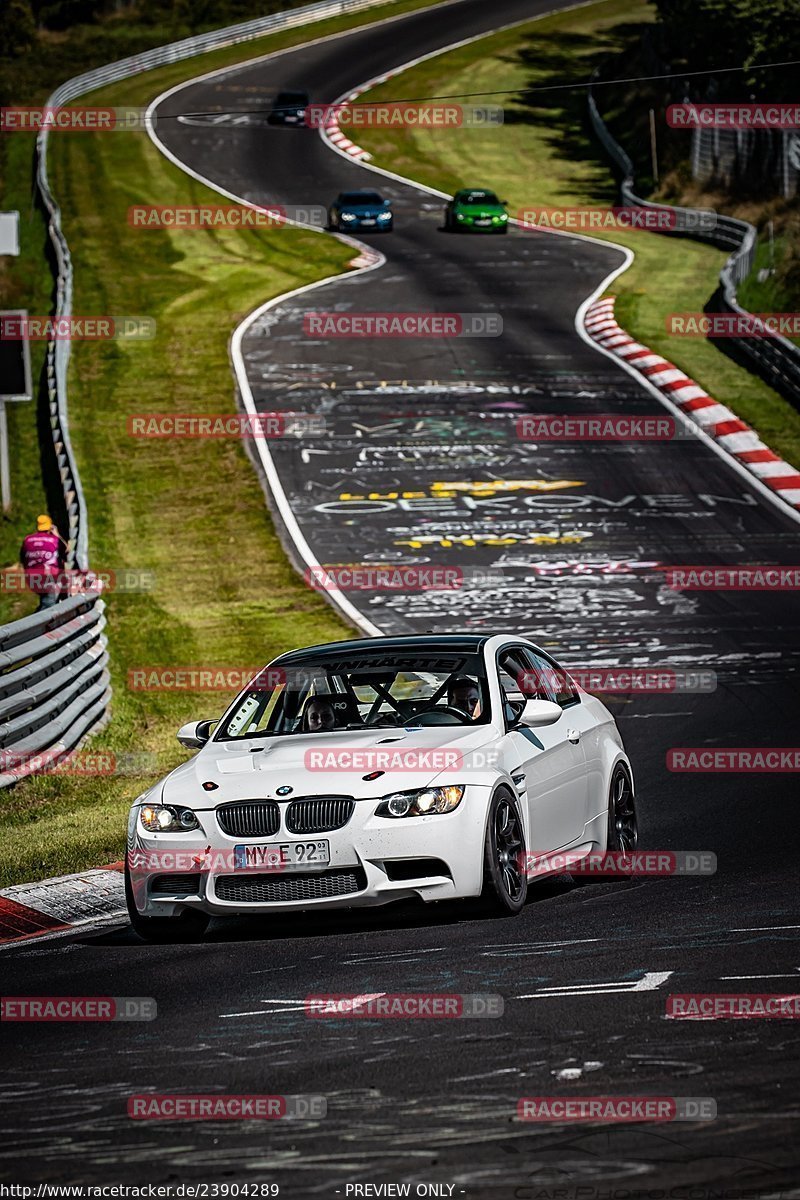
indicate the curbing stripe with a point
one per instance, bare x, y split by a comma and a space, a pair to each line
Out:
18, 921
732, 435
55, 905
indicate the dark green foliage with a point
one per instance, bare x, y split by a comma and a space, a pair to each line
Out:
17, 28
717, 34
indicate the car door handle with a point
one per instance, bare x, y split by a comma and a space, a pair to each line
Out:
574, 736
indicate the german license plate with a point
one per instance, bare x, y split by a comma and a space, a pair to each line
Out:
281, 856
483, 221
367, 220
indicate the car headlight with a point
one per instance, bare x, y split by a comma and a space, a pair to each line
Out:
422, 803
348, 216
460, 217
301, 112
385, 216
172, 818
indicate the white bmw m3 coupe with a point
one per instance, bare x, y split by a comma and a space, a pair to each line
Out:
362, 772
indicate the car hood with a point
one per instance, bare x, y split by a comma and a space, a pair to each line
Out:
330, 764
364, 210
481, 210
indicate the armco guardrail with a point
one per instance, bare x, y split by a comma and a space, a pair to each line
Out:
54, 685
775, 359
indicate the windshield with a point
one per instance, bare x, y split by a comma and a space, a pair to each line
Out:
291, 98
361, 693
479, 198
360, 198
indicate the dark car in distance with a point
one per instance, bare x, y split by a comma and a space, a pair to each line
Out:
288, 108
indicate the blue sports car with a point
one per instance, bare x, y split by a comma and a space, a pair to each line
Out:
360, 210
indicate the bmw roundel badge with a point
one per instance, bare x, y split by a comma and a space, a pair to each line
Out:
284, 790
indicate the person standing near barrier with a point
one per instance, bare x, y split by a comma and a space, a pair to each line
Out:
41, 561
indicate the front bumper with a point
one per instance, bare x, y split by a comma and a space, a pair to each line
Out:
360, 226
376, 860
471, 227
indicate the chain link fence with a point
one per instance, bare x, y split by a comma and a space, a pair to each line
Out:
747, 157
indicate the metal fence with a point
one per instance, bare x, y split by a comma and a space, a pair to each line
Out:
54, 683
775, 359
754, 158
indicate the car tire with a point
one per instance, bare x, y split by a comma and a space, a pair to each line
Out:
505, 882
622, 827
188, 927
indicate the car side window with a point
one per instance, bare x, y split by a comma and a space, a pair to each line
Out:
535, 679
548, 681
565, 691
511, 670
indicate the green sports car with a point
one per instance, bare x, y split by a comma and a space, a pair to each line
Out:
476, 210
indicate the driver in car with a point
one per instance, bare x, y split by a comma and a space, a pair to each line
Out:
464, 694
318, 715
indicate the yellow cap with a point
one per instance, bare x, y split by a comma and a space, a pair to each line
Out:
44, 524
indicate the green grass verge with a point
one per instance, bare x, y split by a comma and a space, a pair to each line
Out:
190, 511
779, 290
544, 154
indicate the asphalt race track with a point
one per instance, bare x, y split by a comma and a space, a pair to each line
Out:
435, 1101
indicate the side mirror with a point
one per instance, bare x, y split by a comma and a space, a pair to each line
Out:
537, 713
195, 734
504, 203
387, 204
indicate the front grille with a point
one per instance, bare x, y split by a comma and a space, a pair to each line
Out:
250, 818
266, 889
319, 814
175, 885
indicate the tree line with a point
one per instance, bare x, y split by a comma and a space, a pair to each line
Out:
715, 35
